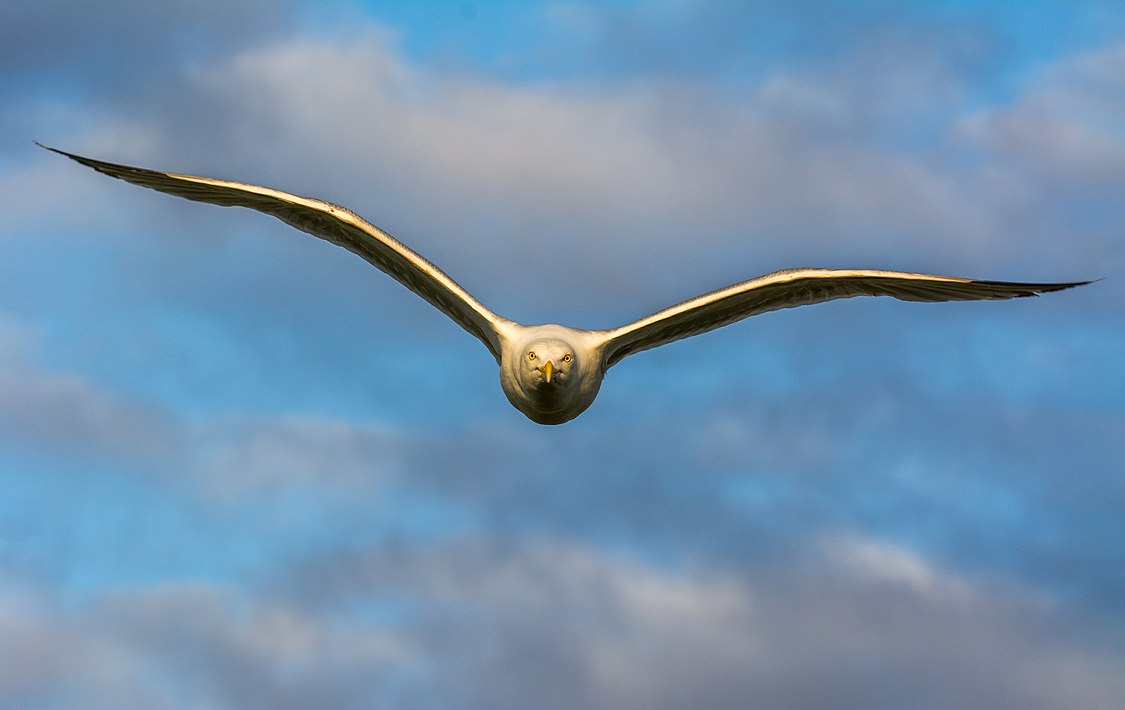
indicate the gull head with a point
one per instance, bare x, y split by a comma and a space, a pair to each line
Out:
550, 374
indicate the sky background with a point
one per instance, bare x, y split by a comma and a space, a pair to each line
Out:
240, 468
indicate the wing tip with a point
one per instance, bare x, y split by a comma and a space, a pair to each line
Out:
1051, 287
76, 158
1025, 289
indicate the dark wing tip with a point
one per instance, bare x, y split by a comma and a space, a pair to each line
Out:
115, 170
77, 158
53, 150
1032, 289
1048, 288
1018, 289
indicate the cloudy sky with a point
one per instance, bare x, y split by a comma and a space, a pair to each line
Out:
240, 468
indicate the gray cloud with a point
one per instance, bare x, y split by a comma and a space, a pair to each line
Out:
68, 414
1063, 133
476, 173
239, 457
737, 472
481, 622
116, 44
183, 645
1052, 157
716, 470
565, 626
63, 63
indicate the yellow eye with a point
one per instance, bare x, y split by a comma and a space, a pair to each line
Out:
566, 358
531, 355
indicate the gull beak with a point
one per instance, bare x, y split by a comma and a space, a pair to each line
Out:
547, 369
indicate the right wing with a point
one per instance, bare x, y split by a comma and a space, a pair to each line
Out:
800, 287
331, 223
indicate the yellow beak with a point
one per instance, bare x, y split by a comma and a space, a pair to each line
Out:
547, 369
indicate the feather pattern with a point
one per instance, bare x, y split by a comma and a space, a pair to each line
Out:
331, 223
801, 287
552, 373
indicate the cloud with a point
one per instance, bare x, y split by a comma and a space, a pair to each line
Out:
63, 413
487, 623
476, 173
65, 64
308, 489
732, 472
1053, 156
484, 622
1063, 131
596, 192
876, 563
241, 457
544, 619
55, 41
48, 412
182, 645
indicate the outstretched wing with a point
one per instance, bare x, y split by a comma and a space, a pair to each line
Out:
801, 287
331, 223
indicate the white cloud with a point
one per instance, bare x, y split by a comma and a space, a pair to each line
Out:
192, 645
491, 622
237, 457
475, 173
655, 178
874, 562
872, 626
640, 193
222, 458
1064, 130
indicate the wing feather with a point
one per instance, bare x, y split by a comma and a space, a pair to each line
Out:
800, 287
333, 224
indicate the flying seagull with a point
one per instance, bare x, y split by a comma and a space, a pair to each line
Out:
552, 373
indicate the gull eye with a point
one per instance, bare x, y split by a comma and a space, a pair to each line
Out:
530, 354
567, 358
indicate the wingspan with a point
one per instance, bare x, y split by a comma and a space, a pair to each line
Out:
801, 287
331, 223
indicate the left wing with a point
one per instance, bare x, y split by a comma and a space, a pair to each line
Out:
331, 223
801, 287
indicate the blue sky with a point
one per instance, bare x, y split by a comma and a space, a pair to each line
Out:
241, 468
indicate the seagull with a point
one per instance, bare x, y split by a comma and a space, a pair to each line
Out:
551, 372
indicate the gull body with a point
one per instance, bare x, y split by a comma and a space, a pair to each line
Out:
552, 373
